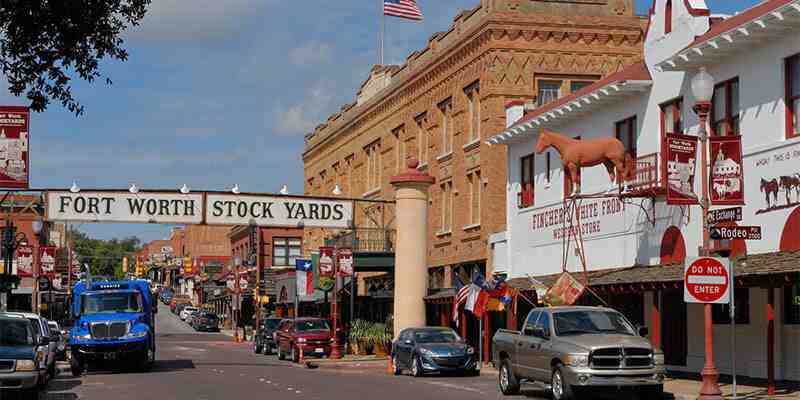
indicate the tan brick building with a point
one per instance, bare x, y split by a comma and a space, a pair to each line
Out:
447, 99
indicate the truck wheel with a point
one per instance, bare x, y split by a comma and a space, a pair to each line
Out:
560, 389
257, 348
509, 384
75, 366
280, 354
295, 355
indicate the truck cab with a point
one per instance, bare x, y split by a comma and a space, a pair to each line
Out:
114, 322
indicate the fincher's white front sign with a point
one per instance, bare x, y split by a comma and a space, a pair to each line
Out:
167, 208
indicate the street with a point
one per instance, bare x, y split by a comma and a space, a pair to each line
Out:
198, 366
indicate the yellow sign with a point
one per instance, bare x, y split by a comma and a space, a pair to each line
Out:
265, 300
125, 265
187, 265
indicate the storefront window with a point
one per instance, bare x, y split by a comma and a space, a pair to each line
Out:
285, 251
791, 305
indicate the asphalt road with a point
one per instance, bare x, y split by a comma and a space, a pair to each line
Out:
199, 366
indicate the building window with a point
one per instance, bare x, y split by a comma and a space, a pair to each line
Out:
574, 86
446, 109
474, 111
626, 133
668, 18
672, 117
725, 108
422, 138
373, 152
399, 150
526, 181
548, 91
791, 305
285, 251
474, 180
447, 207
721, 313
793, 96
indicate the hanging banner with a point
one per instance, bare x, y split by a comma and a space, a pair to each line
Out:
326, 268
345, 258
565, 291
727, 175
48, 259
305, 280
23, 261
681, 166
14, 155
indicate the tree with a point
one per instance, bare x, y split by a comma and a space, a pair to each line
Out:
45, 43
104, 257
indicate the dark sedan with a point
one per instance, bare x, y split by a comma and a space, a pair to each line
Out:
424, 350
205, 321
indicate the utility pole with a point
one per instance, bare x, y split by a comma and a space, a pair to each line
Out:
255, 240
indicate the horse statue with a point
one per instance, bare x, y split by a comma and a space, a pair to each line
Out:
575, 154
768, 187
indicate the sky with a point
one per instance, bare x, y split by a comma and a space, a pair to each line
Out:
217, 93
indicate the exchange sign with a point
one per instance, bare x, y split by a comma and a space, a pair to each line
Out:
706, 280
725, 215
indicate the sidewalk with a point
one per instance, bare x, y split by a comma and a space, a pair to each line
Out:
687, 387
351, 361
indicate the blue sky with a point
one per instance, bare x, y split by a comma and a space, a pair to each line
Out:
217, 93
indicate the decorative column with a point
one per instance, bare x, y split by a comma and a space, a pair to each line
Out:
410, 270
771, 341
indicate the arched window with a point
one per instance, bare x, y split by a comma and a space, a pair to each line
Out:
668, 18
673, 248
790, 238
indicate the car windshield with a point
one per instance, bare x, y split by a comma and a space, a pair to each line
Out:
313, 325
443, 336
111, 303
15, 332
582, 322
271, 324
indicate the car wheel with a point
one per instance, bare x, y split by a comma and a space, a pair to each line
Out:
396, 365
509, 384
560, 389
295, 355
416, 369
280, 354
75, 366
257, 347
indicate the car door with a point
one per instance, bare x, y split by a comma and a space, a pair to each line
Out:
542, 348
524, 365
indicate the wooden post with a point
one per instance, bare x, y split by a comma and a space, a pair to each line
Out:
770, 341
487, 326
656, 319
443, 316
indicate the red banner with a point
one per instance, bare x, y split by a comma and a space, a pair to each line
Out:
14, 155
345, 259
681, 166
727, 175
23, 261
326, 262
565, 291
47, 259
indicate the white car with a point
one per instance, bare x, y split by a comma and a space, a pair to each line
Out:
186, 311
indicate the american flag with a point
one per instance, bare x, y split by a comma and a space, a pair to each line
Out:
407, 9
462, 292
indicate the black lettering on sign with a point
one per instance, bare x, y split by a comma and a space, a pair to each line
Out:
254, 209
163, 207
151, 206
136, 205
338, 212
230, 207
325, 212
188, 207
217, 208
108, 201
290, 209
80, 205
265, 210
93, 202
313, 212
64, 201
175, 203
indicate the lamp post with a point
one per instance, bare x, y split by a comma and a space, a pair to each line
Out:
36, 261
236, 302
703, 91
336, 352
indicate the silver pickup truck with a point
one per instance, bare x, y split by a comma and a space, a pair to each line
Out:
571, 348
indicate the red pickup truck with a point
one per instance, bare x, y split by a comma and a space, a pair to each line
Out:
313, 335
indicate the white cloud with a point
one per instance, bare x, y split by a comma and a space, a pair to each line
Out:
304, 116
310, 54
193, 19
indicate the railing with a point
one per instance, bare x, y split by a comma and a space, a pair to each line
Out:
365, 240
645, 173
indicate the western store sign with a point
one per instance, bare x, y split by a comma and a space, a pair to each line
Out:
212, 209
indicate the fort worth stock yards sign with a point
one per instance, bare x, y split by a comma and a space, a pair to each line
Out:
212, 209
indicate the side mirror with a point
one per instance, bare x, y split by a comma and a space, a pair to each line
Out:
643, 331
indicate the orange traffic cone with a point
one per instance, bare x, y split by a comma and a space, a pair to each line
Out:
390, 366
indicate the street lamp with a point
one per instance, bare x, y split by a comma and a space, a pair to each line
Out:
237, 261
284, 189
703, 91
74, 188
337, 190
36, 225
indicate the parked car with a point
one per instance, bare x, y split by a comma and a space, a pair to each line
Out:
191, 315
205, 321
47, 369
176, 301
433, 349
313, 335
186, 311
265, 336
22, 353
571, 348
61, 344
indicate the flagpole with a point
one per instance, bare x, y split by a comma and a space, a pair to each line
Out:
381, 34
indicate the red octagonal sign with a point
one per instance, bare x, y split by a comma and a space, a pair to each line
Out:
706, 280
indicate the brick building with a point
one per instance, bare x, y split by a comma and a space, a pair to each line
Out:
446, 100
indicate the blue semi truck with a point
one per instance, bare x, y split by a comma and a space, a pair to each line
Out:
114, 322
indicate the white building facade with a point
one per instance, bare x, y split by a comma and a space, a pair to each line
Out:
635, 246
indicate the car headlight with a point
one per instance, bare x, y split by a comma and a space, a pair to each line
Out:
470, 350
26, 365
658, 358
425, 352
84, 337
576, 360
136, 335
301, 340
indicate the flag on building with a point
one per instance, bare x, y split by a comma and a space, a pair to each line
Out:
407, 9
305, 278
462, 291
476, 300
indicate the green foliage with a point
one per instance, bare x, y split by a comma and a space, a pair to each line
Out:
104, 257
45, 43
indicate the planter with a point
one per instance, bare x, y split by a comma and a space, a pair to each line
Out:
380, 349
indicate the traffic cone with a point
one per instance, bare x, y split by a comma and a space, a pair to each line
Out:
301, 360
390, 366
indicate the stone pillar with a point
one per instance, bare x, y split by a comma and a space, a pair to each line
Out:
410, 269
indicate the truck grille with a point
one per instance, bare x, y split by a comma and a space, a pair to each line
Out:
108, 330
621, 358
6, 365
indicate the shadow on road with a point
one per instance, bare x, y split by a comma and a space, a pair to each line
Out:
172, 365
224, 364
60, 385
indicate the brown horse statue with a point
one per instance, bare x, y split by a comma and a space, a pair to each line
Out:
575, 154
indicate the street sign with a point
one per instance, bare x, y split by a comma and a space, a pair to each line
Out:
724, 215
735, 232
707, 280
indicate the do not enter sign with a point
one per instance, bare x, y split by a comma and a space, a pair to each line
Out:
707, 280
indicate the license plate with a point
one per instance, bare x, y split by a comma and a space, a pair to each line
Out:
319, 350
